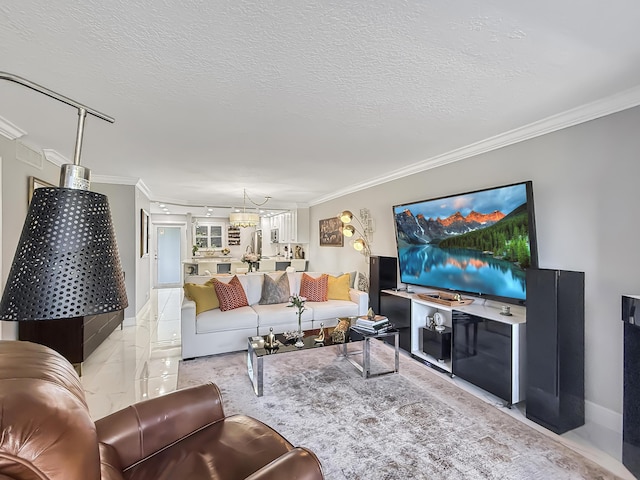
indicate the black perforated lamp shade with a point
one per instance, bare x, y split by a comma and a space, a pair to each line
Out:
66, 263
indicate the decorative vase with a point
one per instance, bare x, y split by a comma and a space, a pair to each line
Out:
300, 343
250, 269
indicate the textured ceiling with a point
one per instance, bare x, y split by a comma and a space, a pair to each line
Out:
279, 97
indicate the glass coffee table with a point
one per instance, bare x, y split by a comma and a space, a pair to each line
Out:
257, 352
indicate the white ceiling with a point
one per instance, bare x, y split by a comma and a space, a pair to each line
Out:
299, 100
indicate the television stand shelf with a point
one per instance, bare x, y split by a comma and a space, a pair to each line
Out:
487, 348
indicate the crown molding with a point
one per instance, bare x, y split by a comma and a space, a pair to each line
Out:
55, 157
10, 130
143, 188
590, 111
114, 179
117, 180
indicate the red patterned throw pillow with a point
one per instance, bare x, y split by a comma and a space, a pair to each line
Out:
231, 295
314, 289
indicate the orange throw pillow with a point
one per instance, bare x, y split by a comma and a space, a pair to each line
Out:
314, 289
231, 295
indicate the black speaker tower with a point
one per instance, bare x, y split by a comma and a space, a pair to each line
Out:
383, 274
555, 349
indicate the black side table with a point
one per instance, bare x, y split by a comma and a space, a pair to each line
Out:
437, 343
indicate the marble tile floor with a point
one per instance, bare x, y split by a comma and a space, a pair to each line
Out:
140, 362
136, 362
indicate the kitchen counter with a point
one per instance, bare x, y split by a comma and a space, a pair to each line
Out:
222, 264
218, 259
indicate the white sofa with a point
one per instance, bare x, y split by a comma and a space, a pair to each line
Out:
215, 331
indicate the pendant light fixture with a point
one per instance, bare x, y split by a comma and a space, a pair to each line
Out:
66, 263
244, 218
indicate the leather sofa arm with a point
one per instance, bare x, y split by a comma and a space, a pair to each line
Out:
296, 464
110, 467
146, 427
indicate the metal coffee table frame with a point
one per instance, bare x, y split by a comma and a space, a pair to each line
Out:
255, 360
365, 366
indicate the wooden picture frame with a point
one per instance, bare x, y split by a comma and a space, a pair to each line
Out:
36, 183
331, 232
144, 233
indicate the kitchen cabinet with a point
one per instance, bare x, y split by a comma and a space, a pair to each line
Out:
209, 235
292, 226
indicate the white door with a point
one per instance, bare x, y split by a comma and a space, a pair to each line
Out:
168, 256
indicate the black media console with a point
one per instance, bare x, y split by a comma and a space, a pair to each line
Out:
482, 353
486, 348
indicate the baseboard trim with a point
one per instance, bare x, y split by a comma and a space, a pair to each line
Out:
603, 416
133, 321
129, 322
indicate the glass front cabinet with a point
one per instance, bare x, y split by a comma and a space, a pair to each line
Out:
209, 235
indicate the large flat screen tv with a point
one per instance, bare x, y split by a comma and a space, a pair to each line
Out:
478, 242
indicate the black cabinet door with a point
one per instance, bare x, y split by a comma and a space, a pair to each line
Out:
398, 310
482, 353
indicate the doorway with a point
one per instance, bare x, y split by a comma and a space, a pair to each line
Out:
168, 257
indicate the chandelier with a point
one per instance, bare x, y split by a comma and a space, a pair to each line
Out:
244, 218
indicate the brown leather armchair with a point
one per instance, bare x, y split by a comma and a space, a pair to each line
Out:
47, 432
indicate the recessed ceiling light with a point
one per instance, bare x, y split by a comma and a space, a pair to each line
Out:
162, 205
210, 209
167, 212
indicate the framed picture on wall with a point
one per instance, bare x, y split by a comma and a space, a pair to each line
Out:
36, 183
331, 232
144, 233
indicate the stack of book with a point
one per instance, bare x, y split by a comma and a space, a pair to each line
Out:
377, 324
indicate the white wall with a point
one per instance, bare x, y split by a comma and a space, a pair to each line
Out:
121, 203
15, 188
586, 195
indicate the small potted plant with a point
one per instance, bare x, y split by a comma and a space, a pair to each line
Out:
194, 250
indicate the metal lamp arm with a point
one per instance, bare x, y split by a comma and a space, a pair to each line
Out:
82, 109
50, 93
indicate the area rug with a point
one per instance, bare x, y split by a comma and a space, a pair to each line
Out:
411, 425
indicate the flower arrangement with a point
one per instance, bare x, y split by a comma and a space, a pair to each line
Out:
298, 302
251, 259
